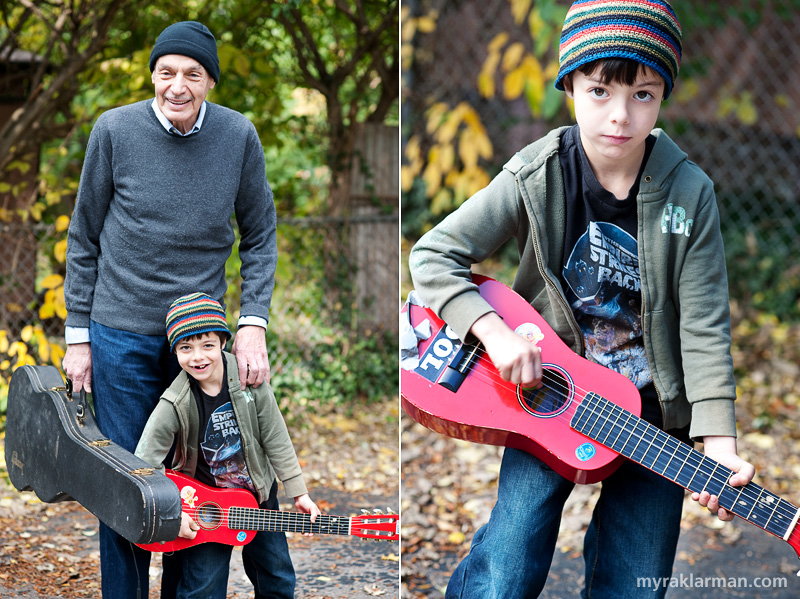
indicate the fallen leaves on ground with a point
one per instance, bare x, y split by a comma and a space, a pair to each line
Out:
42, 551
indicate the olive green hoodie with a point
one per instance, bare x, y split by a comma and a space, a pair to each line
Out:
685, 307
266, 444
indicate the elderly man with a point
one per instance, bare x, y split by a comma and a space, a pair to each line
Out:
160, 182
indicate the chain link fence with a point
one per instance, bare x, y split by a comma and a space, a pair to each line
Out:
735, 109
336, 278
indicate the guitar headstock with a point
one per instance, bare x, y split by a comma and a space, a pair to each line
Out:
376, 525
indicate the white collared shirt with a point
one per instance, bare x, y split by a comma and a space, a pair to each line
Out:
171, 128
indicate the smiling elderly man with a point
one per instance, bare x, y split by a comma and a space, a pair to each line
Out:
160, 181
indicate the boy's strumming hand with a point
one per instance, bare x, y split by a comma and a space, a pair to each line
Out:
189, 527
517, 360
303, 503
723, 450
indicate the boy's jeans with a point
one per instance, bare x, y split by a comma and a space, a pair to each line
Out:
201, 572
630, 543
129, 374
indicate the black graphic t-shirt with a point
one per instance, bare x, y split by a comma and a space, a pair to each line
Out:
601, 270
221, 460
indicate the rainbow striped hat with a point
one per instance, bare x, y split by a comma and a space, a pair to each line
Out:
646, 31
194, 314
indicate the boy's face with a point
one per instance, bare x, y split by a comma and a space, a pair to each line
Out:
615, 118
201, 358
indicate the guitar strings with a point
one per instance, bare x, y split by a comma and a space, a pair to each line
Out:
695, 459
259, 517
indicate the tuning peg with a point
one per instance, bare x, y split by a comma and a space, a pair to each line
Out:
378, 512
365, 512
389, 510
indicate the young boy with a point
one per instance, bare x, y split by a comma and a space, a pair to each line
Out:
620, 251
226, 437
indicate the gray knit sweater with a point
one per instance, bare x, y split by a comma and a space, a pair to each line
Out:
152, 220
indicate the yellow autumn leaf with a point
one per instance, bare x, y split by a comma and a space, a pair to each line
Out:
520, 8
467, 150
441, 202
432, 177
62, 223
435, 115
56, 354
3, 341
512, 56
18, 348
498, 42
427, 24
52, 281
60, 251
44, 352
513, 84
27, 333
456, 537
406, 178
47, 310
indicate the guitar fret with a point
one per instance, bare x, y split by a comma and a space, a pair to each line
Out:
622, 428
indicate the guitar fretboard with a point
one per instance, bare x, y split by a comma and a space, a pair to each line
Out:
645, 444
277, 521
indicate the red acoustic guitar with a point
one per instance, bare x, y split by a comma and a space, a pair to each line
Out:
582, 421
232, 517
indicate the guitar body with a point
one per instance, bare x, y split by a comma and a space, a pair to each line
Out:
232, 517
208, 506
487, 409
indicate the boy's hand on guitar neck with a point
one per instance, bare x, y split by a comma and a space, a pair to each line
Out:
303, 503
723, 450
517, 360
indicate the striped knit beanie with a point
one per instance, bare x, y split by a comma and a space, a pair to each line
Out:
194, 314
646, 31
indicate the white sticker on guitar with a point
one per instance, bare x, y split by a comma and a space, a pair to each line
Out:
530, 331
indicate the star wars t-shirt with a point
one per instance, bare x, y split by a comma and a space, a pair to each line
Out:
221, 459
601, 270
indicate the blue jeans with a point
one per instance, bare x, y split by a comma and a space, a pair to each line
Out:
129, 374
201, 572
633, 534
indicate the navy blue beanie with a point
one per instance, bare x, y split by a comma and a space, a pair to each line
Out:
188, 38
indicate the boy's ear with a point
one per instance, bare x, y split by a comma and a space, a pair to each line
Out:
567, 82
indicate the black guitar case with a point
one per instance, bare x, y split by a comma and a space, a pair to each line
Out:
53, 447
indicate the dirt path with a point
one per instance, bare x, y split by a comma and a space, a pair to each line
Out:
350, 462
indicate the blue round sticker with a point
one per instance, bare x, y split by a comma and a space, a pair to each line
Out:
585, 452
241, 536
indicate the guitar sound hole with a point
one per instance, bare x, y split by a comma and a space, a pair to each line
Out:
551, 397
208, 516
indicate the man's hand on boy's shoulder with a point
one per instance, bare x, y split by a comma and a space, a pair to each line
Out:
723, 450
250, 349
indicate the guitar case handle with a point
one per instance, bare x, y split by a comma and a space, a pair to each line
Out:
80, 410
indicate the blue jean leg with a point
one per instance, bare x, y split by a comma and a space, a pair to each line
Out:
511, 554
129, 373
633, 535
199, 572
267, 562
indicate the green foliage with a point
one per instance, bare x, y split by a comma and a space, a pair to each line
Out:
341, 371
761, 278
